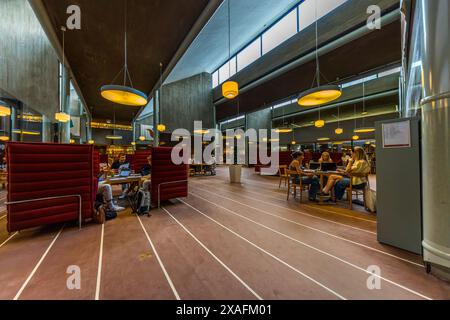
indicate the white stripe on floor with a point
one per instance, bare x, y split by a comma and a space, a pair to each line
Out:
321, 231
267, 253
215, 257
166, 274
37, 265
99, 267
306, 205
319, 250
6, 241
288, 209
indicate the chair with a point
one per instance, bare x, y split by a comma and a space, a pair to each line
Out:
282, 170
302, 187
357, 192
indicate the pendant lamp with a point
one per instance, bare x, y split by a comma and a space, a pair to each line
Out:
124, 94
91, 142
364, 129
355, 137
5, 110
318, 95
319, 123
62, 116
160, 127
114, 136
284, 128
141, 138
339, 130
230, 89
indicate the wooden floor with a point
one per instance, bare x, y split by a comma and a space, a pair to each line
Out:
223, 242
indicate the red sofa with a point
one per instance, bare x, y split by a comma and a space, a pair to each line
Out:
169, 181
62, 175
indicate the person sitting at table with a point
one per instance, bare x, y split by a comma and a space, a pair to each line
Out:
307, 178
357, 165
105, 190
325, 158
145, 203
118, 165
345, 159
121, 162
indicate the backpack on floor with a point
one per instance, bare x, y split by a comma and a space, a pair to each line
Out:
143, 202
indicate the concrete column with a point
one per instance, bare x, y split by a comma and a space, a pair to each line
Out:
156, 104
436, 129
65, 92
47, 135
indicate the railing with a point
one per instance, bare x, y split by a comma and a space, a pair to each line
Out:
80, 218
166, 183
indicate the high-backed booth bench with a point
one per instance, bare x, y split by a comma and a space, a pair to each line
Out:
169, 181
140, 160
49, 183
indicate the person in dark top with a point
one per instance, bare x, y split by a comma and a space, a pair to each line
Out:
122, 161
307, 178
147, 169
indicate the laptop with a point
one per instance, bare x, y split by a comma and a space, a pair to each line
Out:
314, 165
125, 173
329, 167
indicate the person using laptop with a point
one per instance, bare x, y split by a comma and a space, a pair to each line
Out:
120, 162
307, 178
358, 164
325, 158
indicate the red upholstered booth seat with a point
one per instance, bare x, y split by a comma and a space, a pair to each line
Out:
164, 171
37, 171
140, 160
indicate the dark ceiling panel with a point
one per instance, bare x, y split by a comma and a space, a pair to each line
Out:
376, 49
156, 29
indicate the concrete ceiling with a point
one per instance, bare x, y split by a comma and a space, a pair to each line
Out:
95, 53
210, 49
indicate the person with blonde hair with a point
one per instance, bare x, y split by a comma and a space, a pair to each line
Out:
325, 158
358, 166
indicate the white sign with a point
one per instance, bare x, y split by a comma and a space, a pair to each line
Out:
397, 134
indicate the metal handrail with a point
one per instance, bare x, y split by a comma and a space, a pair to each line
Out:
53, 198
166, 183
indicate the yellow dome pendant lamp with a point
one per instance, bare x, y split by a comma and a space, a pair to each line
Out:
114, 136
5, 110
319, 95
355, 137
364, 129
230, 89
160, 127
62, 116
320, 123
123, 94
339, 130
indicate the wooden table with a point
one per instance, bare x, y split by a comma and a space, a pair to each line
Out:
125, 180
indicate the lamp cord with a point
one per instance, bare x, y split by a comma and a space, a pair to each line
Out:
317, 47
364, 104
63, 82
229, 37
160, 91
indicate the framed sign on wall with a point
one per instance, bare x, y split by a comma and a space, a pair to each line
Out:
397, 134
